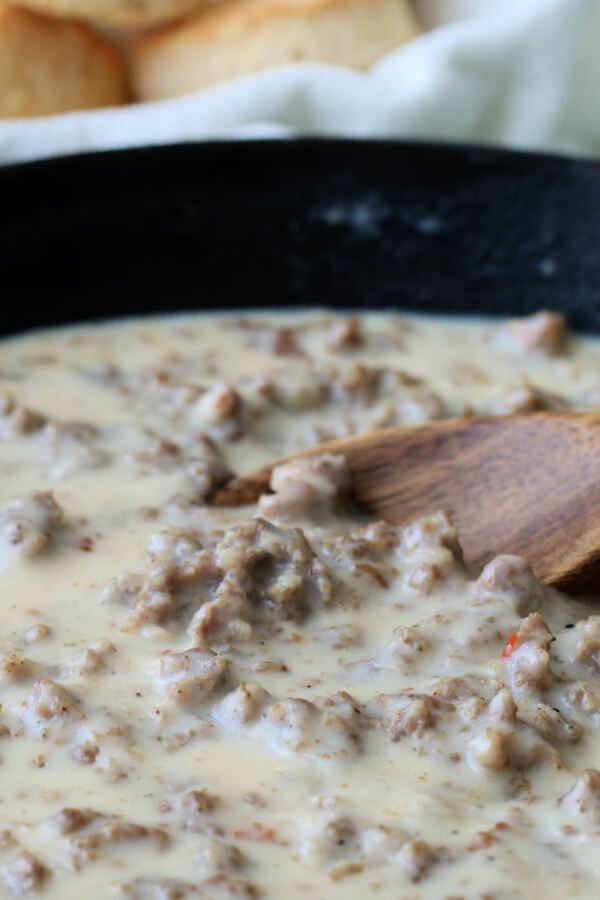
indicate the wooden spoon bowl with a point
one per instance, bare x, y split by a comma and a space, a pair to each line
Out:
524, 484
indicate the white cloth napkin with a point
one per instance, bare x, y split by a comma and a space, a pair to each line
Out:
520, 73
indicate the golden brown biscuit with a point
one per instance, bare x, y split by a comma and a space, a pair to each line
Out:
116, 13
238, 37
50, 67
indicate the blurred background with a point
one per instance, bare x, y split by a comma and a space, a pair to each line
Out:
96, 74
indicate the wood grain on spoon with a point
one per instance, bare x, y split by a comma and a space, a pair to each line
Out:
524, 484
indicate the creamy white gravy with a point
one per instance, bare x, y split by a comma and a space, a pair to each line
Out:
279, 701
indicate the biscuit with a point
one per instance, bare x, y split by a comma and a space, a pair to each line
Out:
116, 13
48, 67
231, 39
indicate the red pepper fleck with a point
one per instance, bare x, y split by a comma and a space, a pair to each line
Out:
256, 832
510, 646
85, 544
483, 841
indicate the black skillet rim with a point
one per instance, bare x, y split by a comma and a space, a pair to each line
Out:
345, 223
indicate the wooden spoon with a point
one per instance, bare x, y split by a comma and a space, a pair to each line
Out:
526, 484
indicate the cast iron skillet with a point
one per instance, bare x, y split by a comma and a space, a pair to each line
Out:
339, 223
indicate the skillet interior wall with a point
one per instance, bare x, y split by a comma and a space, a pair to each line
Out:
371, 224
